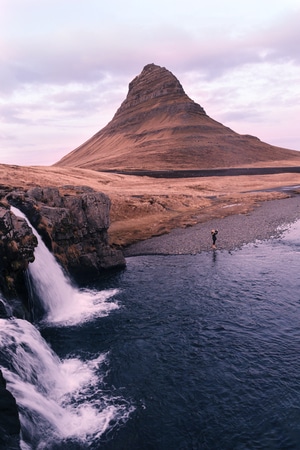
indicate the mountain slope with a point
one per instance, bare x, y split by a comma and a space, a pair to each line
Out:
158, 127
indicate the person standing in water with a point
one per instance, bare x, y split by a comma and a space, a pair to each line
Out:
214, 237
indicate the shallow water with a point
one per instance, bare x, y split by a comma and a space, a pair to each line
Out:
205, 348
201, 352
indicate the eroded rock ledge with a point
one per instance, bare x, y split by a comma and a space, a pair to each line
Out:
17, 244
9, 418
73, 222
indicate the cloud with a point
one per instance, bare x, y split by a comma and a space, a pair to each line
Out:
13, 114
87, 56
65, 66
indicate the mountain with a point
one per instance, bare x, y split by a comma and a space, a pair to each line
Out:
158, 127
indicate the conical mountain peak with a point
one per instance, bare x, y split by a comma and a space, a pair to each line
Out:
158, 127
155, 86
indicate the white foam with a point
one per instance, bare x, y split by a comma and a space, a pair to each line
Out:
56, 399
84, 305
63, 303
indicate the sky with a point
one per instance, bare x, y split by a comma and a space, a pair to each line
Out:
65, 67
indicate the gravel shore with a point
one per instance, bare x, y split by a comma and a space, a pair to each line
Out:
267, 221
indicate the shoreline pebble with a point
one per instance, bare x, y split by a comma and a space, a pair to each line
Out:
268, 220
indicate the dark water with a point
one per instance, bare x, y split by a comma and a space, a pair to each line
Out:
202, 352
205, 348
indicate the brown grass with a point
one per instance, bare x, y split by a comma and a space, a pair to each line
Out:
143, 207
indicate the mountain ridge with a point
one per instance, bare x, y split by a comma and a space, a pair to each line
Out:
158, 127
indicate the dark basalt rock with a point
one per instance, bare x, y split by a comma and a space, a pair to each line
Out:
9, 419
17, 244
73, 222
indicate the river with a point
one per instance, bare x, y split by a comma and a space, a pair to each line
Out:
181, 352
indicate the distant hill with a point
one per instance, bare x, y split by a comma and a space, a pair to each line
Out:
158, 127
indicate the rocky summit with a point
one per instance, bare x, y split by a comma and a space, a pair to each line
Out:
158, 127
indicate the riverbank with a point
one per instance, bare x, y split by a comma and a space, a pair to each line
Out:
268, 220
143, 207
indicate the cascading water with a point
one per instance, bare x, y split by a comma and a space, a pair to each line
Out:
62, 302
58, 400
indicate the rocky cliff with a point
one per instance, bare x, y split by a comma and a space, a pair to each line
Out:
9, 419
158, 127
73, 222
17, 244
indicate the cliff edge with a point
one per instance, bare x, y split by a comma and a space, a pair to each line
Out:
73, 223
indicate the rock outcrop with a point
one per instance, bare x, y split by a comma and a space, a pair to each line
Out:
158, 127
17, 244
9, 418
73, 222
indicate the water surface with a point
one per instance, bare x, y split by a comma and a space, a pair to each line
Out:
196, 352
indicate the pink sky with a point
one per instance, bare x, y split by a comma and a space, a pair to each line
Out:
65, 67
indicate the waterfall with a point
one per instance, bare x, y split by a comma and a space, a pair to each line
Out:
62, 302
59, 400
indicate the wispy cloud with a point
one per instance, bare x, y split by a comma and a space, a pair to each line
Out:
66, 65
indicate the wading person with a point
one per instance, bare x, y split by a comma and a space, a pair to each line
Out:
214, 237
